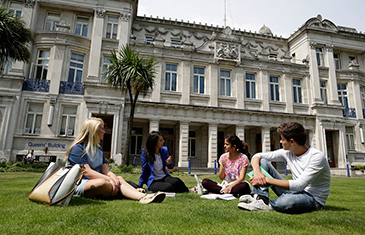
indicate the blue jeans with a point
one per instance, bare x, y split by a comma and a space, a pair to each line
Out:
291, 202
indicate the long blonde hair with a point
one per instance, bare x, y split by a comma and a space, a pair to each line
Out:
88, 135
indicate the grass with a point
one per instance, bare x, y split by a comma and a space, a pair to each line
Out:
186, 213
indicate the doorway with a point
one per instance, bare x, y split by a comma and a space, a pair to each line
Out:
106, 143
330, 151
168, 135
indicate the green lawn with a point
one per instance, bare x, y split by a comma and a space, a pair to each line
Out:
184, 214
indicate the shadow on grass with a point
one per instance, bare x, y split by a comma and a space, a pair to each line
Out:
335, 208
85, 201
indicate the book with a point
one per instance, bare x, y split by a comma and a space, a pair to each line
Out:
250, 175
214, 196
168, 194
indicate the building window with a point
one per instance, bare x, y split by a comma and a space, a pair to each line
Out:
342, 94
51, 21
34, 119
112, 27
274, 88
297, 91
225, 84
106, 64
68, 120
16, 9
82, 25
171, 77
136, 141
192, 144
76, 67
175, 43
41, 67
319, 55
250, 86
362, 91
6, 66
323, 90
149, 39
199, 80
337, 60
273, 56
350, 138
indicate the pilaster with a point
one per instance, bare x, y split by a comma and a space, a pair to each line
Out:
183, 145
212, 144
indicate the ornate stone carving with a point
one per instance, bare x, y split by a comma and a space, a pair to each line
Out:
100, 12
329, 47
29, 3
125, 16
226, 35
313, 45
62, 26
227, 51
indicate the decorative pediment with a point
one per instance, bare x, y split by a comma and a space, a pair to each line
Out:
227, 51
317, 22
226, 35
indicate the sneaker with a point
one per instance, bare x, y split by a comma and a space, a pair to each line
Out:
156, 198
248, 198
258, 205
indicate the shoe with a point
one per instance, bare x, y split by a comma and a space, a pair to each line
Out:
248, 198
199, 187
156, 198
258, 205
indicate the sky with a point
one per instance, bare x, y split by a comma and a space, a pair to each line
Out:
283, 17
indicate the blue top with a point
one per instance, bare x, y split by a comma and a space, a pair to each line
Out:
147, 175
77, 156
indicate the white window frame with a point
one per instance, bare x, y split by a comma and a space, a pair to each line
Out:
342, 94
250, 85
336, 57
199, 80
51, 20
112, 27
17, 9
36, 124
137, 139
105, 65
82, 25
40, 69
77, 65
225, 83
362, 92
171, 77
323, 90
350, 138
68, 131
297, 91
192, 142
319, 56
274, 88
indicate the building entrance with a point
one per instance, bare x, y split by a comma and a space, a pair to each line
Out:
106, 143
330, 151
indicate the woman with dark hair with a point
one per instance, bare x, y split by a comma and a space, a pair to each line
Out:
232, 170
155, 157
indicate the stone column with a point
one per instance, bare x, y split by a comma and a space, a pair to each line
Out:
94, 73
212, 144
265, 137
240, 88
314, 73
183, 143
264, 85
184, 81
332, 79
356, 94
154, 125
124, 28
156, 92
240, 132
288, 87
55, 67
214, 84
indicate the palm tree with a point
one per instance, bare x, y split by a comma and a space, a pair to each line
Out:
15, 38
134, 73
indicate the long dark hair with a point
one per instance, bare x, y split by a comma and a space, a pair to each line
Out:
241, 146
151, 143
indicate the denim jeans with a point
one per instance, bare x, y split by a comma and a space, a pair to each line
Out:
291, 202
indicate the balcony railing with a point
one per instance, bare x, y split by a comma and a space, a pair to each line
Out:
33, 84
73, 88
349, 112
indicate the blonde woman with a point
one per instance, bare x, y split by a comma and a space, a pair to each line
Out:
98, 181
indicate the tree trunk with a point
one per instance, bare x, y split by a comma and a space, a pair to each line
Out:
130, 127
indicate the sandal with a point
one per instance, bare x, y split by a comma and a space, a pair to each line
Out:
156, 198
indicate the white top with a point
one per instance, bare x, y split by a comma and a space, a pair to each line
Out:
310, 171
158, 167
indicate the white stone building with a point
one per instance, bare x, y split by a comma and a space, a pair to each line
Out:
211, 81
